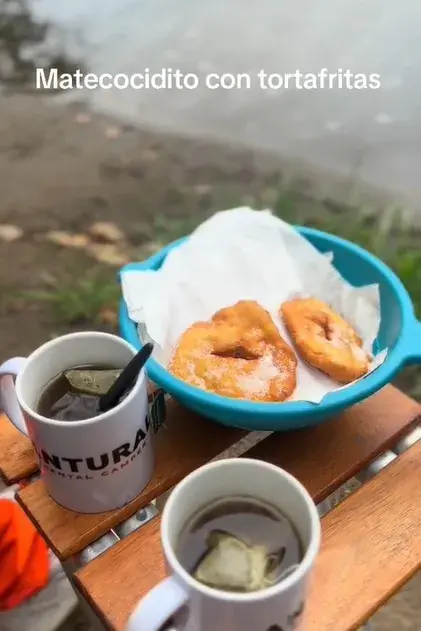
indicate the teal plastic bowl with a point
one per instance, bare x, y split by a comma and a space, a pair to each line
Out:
399, 331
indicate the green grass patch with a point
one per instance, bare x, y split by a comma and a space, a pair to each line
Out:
388, 235
80, 300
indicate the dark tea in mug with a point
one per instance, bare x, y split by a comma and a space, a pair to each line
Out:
239, 544
74, 394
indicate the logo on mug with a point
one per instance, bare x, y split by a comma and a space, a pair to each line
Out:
96, 466
295, 616
292, 620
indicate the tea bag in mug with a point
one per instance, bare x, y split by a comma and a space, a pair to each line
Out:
233, 565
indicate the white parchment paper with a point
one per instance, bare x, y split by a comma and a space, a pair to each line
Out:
243, 254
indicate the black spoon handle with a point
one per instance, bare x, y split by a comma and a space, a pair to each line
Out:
126, 379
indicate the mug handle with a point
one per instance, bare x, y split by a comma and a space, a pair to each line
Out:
157, 608
412, 349
8, 399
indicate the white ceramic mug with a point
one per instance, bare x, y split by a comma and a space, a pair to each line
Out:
93, 465
180, 602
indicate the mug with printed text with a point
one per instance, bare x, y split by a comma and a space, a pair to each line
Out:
182, 603
92, 465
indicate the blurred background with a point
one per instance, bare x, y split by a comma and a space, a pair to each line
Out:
92, 179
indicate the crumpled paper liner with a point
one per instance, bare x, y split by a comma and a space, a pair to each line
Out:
243, 254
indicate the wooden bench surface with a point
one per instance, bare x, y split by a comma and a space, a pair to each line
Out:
185, 444
370, 547
327, 455
323, 456
17, 456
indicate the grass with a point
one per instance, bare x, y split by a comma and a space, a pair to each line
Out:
387, 235
80, 301
92, 298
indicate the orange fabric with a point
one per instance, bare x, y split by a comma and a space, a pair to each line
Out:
24, 563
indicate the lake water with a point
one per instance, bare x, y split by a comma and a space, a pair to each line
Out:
370, 135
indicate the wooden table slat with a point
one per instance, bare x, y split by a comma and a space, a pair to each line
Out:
322, 457
17, 456
370, 547
185, 444
327, 455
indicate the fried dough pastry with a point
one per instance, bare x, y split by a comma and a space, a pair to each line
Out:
239, 353
324, 339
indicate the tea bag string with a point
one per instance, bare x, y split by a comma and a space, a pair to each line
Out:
283, 575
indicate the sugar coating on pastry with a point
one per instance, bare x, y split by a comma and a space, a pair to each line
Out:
239, 353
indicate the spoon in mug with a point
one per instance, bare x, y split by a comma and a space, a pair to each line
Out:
126, 379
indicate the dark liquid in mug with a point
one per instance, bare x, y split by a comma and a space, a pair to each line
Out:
239, 544
61, 401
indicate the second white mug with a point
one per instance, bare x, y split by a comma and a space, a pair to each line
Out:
181, 603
